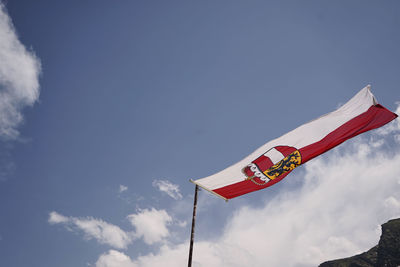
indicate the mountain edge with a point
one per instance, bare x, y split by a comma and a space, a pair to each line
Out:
385, 254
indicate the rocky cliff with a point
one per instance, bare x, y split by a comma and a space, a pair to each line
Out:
385, 254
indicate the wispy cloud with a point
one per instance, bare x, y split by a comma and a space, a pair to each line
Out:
335, 212
151, 225
122, 188
114, 258
19, 72
55, 218
169, 188
103, 232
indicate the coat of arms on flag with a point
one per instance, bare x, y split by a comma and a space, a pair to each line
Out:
273, 164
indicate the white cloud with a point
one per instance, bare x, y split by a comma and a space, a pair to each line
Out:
169, 188
114, 259
122, 188
151, 225
19, 72
397, 138
181, 223
55, 218
336, 211
103, 232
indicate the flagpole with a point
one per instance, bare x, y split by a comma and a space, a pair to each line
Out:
193, 224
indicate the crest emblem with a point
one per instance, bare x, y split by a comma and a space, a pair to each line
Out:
272, 164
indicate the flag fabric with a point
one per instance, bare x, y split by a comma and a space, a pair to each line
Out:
273, 161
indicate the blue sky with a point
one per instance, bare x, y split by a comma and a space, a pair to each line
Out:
107, 109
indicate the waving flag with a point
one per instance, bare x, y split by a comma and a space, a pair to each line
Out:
273, 161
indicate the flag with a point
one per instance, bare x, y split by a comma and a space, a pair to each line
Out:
273, 161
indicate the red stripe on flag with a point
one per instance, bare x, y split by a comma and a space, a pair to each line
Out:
375, 117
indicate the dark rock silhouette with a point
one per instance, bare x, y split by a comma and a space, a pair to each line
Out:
385, 254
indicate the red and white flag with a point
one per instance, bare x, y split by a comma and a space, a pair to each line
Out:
273, 161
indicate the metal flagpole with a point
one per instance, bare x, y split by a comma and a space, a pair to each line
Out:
193, 223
